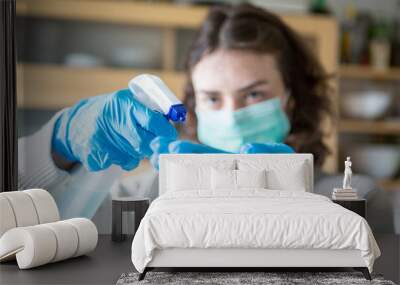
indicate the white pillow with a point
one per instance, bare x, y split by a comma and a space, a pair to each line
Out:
223, 179
281, 175
293, 180
184, 175
251, 179
237, 179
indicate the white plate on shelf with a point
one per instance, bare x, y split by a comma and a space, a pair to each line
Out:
135, 57
82, 60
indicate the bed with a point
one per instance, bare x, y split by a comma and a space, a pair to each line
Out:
247, 211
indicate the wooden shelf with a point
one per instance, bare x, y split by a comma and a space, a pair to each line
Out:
369, 127
152, 14
389, 184
367, 72
45, 86
119, 12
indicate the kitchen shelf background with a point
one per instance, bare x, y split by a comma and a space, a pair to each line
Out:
46, 83
52, 85
384, 130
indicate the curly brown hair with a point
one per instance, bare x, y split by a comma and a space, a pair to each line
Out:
246, 27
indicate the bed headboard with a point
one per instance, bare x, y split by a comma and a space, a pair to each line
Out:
211, 159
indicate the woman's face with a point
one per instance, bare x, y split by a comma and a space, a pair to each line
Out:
232, 79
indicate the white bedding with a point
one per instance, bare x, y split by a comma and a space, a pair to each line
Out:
251, 218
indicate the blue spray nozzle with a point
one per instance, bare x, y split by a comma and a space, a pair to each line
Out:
177, 113
152, 92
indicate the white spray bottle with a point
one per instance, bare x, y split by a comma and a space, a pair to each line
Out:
152, 92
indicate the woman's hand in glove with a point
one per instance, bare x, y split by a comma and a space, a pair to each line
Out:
162, 145
266, 148
108, 129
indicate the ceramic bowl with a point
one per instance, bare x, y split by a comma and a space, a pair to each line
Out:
366, 105
82, 60
138, 57
377, 160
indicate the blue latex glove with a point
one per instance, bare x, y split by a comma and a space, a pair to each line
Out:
266, 148
109, 129
166, 145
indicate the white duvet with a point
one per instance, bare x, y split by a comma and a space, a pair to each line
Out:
252, 218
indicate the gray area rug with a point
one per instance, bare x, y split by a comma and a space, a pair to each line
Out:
229, 278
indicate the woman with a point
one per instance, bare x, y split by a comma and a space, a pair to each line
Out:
252, 85
252, 82
246, 57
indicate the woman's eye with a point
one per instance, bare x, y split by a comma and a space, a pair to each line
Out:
255, 95
213, 100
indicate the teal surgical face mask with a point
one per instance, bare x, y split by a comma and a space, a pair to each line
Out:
264, 122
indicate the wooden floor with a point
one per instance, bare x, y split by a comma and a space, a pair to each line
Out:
111, 259
103, 266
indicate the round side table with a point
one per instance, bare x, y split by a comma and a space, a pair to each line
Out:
127, 204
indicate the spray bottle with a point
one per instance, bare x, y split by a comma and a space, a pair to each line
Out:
152, 92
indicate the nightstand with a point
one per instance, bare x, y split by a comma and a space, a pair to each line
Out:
358, 206
127, 204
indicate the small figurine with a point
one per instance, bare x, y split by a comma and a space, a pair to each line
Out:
347, 174
346, 192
